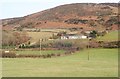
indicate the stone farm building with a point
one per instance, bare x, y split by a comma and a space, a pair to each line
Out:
73, 36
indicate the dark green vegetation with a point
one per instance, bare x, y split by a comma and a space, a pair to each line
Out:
102, 63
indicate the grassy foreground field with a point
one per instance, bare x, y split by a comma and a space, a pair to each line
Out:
111, 36
102, 63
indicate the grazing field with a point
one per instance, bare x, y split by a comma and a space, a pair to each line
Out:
39, 35
40, 52
54, 30
111, 36
102, 63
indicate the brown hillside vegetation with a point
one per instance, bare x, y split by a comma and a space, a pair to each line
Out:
56, 17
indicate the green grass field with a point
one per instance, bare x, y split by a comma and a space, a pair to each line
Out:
102, 63
111, 36
42, 52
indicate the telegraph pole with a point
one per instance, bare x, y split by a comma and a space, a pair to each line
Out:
88, 48
40, 40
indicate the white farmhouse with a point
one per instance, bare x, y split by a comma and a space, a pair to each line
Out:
73, 36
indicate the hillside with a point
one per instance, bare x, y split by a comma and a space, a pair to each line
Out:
68, 15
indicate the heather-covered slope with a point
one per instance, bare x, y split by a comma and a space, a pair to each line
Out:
70, 15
